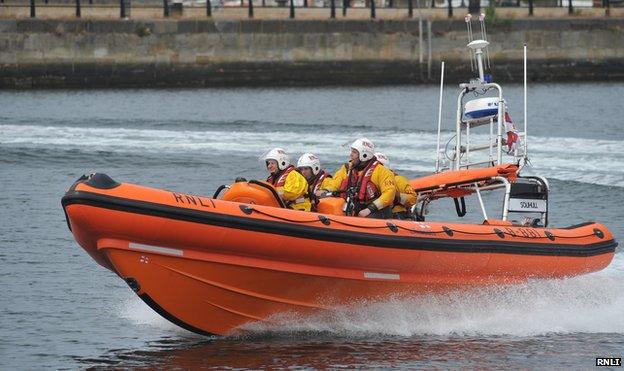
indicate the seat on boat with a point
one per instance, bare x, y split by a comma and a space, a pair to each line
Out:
331, 205
260, 193
253, 192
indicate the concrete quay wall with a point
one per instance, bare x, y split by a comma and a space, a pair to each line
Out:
74, 53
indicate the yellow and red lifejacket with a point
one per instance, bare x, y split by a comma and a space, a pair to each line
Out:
315, 186
318, 181
367, 190
279, 179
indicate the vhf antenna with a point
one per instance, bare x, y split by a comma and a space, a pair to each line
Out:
484, 36
468, 19
477, 59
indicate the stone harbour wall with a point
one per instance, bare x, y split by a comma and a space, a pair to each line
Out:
202, 53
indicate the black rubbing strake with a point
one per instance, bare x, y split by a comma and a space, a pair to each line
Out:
334, 235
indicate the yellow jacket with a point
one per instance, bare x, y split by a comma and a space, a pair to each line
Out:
405, 196
294, 191
327, 184
382, 178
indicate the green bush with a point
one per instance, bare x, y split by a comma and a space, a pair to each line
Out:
495, 22
143, 30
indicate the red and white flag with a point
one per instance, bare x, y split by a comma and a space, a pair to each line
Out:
512, 134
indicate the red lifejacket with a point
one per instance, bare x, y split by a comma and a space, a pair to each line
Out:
279, 179
316, 185
367, 190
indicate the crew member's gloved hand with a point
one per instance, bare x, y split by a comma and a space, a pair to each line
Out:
239, 179
364, 213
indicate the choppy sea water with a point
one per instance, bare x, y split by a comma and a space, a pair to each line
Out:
60, 309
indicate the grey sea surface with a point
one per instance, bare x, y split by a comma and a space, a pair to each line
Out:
59, 309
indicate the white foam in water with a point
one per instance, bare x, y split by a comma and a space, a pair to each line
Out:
586, 304
139, 313
591, 161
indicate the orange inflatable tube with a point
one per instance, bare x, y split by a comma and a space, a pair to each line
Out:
448, 183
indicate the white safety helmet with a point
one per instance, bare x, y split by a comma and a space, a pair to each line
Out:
365, 148
385, 161
279, 155
310, 160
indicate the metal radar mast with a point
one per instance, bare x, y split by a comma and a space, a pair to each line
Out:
480, 103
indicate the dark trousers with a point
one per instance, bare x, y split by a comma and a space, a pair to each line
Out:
403, 215
385, 213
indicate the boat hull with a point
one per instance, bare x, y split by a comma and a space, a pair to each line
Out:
211, 266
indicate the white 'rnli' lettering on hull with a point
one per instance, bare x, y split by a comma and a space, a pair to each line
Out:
383, 276
156, 249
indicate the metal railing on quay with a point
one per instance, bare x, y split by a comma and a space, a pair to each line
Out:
176, 8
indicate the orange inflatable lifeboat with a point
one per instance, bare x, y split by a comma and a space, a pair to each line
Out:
211, 265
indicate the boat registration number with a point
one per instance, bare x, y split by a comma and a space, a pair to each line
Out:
527, 205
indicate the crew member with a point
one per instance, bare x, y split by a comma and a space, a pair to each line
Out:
310, 167
366, 185
291, 186
405, 196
